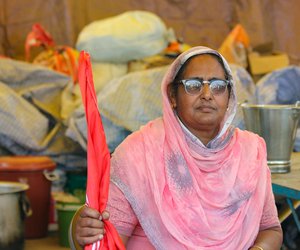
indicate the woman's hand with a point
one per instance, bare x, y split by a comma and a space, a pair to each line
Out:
269, 239
89, 226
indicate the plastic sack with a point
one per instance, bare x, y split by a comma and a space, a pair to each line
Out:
234, 46
59, 58
70, 100
125, 37
103, 73
30, 106
245, 89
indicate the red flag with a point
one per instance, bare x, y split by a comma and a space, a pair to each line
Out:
98, 155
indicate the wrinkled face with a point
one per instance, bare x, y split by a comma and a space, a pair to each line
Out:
203, 112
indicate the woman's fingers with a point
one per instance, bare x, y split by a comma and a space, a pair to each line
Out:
90, 232
105, 215
90, 212
90, 223
89, 240
89, 226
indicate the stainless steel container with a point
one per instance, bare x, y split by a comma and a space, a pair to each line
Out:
277, 124
14, 208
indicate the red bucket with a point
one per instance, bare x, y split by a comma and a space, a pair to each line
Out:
36, 172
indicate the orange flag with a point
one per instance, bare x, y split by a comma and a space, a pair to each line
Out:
98, 155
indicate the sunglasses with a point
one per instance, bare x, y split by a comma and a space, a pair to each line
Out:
194, 86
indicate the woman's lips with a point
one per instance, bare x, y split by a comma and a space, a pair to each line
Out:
206, 108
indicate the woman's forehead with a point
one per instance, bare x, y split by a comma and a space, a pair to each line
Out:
204, 64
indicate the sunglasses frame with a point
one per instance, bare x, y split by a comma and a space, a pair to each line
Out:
202, 82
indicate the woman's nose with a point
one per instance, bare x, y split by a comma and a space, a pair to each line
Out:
205, 93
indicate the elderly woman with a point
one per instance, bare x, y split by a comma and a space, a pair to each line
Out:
190, 180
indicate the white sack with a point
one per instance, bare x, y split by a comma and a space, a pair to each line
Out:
125, 37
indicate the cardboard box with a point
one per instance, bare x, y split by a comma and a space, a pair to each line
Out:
265, 63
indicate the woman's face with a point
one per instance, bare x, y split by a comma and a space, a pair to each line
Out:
203, 112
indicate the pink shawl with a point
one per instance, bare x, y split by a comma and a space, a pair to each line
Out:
188, 196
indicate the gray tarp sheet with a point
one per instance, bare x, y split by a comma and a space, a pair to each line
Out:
30, 98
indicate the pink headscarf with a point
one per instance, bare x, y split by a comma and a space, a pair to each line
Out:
186, 195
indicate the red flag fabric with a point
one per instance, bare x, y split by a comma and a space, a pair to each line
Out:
98, 155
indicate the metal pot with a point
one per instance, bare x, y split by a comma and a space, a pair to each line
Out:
14, 208
277, 124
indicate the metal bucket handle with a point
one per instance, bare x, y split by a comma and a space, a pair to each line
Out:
297, 107
26, 210
297, 113
50, 176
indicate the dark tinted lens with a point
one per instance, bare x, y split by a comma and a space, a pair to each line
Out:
218, 86
192, 86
